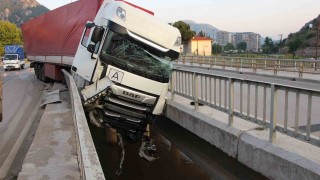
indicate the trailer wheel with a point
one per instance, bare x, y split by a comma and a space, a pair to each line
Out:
36, 70
43, 76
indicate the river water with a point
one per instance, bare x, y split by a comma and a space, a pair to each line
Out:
182, 155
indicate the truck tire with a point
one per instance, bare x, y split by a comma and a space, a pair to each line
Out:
36, 70
22, 67
43, 74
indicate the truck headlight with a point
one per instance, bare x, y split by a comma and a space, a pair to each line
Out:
121, 13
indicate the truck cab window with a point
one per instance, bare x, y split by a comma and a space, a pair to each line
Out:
84, 41
126, 53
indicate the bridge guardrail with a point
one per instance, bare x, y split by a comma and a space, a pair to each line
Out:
89, 163
300, 66
219, 92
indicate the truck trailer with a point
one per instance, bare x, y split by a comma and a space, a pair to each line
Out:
119, 54
13, 57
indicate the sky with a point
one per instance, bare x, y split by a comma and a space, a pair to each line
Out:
265, 17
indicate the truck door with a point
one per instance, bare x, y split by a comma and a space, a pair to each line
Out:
85, 60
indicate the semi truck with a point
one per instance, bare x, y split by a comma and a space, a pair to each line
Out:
13, 57
119, 54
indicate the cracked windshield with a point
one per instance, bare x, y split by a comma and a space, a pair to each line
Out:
130, 54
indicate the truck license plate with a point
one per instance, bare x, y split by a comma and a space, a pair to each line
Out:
115, 75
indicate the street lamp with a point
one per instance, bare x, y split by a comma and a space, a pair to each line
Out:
317, 40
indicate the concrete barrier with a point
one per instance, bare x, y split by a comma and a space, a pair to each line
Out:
89, 163
288, 158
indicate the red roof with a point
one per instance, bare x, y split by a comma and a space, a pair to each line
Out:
198, 38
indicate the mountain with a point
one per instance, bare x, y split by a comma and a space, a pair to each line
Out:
304, 42
197, 27
19, 11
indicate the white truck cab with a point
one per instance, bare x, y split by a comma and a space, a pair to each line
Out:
13, 61
123, 66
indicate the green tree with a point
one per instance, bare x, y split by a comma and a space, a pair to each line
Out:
268, 46
242, 46
216, 49
294, 45
186, 32
228, 47
201, 34
9, 34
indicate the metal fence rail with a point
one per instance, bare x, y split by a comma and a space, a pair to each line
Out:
255, 101
288, 65
89, 163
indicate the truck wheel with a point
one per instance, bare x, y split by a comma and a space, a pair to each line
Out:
43, 77
22, 67
36, 70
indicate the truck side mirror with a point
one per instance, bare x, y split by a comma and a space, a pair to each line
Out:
90, 24
91, 48
96, 34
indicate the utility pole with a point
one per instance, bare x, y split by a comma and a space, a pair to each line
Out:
317, 40
280, 37
280, 44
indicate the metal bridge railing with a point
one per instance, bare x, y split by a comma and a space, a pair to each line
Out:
276, 65
284, 108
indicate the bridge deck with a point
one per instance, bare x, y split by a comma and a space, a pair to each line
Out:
53, 153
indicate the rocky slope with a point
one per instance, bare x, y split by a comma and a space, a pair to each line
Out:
19, 11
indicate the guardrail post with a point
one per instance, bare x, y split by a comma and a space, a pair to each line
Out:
191, 60
231, 101
195, 87
273, 114
265, 64
301, 69
231, 62
172, 85
309, 116
296, 123
238, 64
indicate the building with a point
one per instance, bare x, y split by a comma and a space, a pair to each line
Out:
198, 46
252, 40
223, 38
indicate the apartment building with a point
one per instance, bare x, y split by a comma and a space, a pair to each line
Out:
223, 38
252, 40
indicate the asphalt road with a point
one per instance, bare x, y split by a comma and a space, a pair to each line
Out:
22, 93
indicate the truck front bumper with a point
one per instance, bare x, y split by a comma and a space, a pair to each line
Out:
11, 66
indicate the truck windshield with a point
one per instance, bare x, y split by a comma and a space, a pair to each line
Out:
10, 57
128, 54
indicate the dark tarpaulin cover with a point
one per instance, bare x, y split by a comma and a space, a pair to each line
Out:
58, 32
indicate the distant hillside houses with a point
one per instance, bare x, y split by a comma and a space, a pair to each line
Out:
253, 40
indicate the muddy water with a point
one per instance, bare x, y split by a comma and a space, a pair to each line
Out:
182, 155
